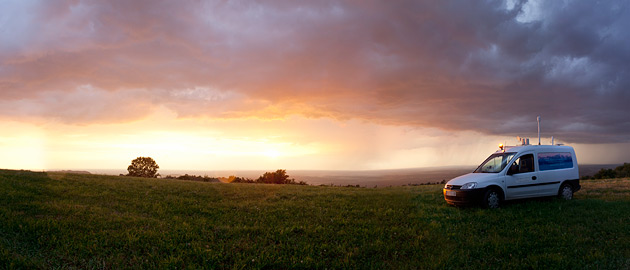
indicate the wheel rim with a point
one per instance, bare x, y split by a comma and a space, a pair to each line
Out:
493, 199
567, 193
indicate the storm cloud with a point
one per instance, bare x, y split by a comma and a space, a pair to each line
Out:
485, 66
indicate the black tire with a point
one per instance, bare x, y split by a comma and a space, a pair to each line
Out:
565, 192
491, 198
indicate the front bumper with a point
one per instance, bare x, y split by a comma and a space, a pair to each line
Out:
463, 196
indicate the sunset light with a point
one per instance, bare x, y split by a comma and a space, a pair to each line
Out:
343, 86
321, 134
272, 153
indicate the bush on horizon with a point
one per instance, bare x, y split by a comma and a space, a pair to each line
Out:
619, 172
198, 178
278, 177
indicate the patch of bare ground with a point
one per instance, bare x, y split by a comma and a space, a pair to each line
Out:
617, 189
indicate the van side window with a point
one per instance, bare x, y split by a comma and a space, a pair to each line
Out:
554, 161
523, 164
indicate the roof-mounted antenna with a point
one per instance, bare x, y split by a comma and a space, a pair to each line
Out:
538, 120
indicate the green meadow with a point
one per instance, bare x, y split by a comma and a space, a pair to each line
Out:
70, 221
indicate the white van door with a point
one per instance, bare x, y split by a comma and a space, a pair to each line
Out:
521, 180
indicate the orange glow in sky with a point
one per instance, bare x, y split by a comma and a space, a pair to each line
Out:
342, 85
242, 144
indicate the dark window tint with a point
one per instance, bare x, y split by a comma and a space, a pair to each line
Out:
554, 161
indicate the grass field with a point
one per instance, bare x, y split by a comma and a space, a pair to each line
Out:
68, 221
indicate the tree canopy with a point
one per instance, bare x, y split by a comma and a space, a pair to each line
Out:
619, 172
277, 177
143, 167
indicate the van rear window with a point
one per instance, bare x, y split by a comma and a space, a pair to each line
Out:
554, 161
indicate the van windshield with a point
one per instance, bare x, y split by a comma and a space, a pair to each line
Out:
495, 163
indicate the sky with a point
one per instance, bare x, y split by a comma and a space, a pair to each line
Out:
324, 85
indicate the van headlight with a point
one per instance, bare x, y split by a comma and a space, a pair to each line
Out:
469, 185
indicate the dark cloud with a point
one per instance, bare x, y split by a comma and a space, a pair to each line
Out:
488, 66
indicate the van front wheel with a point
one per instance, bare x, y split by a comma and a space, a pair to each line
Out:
492, 198
566, 192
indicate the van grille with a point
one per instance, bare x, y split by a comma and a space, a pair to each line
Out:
453, 187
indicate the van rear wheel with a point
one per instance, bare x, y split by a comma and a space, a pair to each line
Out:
492, 198
566, 192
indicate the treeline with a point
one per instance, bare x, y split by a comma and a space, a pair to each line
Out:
619, 172
427, 183
277, 177
147, 167
350, 186
193, 178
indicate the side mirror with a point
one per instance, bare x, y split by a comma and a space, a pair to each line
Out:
513, 169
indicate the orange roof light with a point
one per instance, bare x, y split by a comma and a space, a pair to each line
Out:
501, 146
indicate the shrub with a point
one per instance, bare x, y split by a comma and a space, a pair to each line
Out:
623, 170
278, 177
619, 172
194, 178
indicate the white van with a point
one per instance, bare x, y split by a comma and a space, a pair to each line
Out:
515, 173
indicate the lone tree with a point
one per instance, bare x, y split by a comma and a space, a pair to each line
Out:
143, 167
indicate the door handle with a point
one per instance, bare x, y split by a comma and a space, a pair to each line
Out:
533, 177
